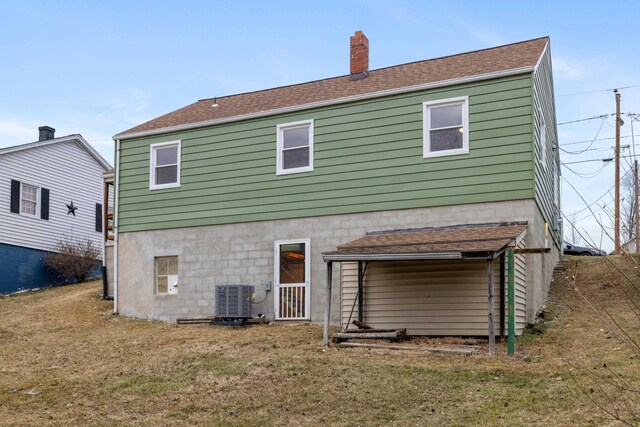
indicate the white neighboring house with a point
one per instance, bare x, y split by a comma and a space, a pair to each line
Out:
630, 246
48, 189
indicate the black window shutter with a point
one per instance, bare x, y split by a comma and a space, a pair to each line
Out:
15, 196
44, 203
99, 217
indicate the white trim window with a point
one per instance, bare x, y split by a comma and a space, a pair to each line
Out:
166, 275
165, 165
292, 278
28, 199
294, 147
446, 127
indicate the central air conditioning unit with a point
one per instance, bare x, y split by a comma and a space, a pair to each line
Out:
233, 301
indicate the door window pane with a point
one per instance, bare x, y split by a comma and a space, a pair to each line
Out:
292, 263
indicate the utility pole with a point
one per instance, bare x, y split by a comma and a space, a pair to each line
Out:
617, 210
635, 187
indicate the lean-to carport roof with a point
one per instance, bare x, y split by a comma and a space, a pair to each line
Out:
451, 242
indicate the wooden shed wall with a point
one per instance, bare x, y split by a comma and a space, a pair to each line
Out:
438, 298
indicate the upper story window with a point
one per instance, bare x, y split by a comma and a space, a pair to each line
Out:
165, 165
31, 200
28, 199
295, 147
446, 127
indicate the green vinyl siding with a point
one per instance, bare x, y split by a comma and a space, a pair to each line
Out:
547, 173
367, 157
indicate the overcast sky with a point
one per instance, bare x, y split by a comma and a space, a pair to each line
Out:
98, 68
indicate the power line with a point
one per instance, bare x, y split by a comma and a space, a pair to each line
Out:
594, 160
586, 175
589, 140
596, 200
589, 146
602, 116
596, 91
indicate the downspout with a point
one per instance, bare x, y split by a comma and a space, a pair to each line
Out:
103, 269
511, 303
115, 227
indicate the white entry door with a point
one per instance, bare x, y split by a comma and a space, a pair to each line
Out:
292, 278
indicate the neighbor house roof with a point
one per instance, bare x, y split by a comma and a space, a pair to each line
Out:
77, 138
486, 63
454, 240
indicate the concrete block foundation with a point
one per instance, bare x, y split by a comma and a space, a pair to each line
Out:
243, 253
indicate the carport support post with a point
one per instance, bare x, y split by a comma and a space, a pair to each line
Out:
492, 334
360, 293
511, 304
327, 306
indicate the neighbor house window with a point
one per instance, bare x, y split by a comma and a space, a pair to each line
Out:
446, 127
165, 165
167, 275
28, 199
295, 147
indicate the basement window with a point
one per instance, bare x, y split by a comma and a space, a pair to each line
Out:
165, 165
295, 147
166, 275
446, 127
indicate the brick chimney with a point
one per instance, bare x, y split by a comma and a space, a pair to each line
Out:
46, 133
359, 56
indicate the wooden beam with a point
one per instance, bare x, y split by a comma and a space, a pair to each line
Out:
532, 250
395, 335
464, 351
327, 305
492, 334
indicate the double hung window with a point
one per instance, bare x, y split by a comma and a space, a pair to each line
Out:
295, 147
28, 199
446, 127
165, 165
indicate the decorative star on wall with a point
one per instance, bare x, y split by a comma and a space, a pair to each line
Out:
72, 209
